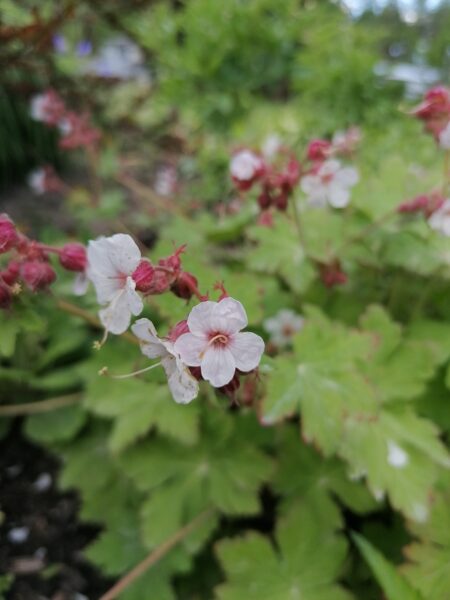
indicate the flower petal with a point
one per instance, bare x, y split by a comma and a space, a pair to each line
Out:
247, 349
191, 348
116, 316
228, 316
151, 345
218, 366
347, 176
135, 304
80, 284
309, 183
199, 318
124, 253
338, 196
183, 386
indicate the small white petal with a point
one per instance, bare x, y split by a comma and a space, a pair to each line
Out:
191, 349
80, 284
247, 349
228, 316
347, 177
309, 184
183, 386
338, 196
134, 301
397, 457
199, 318
218, 366
151, 345
117, 315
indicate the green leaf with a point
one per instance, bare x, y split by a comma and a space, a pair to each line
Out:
394, 585
221, 470
10, 330
59, 425
309, 559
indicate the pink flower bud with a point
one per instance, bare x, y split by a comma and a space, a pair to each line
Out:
332, 274
37, 274
144, 276
318, 150
281, 201
411, 206
436, 102
265, 219
8, 234
185, 285
173, 261
11, 274
5, 295
179, 329
264, 200
73, 257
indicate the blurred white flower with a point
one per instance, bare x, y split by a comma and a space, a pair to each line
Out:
330, 183
111, 263
440, 219
36, 181
271, 146
183, 386
397, 457
283, 326
444, 138
245, 165
216, 344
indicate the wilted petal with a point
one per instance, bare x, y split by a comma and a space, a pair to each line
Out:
218, 366
183, 386
191, 349
247, 349
151, 345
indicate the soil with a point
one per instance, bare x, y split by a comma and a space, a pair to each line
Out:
41, 537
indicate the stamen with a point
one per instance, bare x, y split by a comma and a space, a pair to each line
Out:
104, 371
220, 337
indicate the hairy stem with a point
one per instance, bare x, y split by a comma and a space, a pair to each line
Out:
156, 555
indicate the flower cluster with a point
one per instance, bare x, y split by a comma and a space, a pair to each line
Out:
28, 263
322, 176
76, 130
44, 180
276, 179
433, 206
434, 111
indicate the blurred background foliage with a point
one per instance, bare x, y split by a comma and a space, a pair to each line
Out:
202, 67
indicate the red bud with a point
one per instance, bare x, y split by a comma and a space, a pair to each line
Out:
5, 295
144, 276
8, 234
185, 285
37, 274
73, 257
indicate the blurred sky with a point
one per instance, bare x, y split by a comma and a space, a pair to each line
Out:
409, 9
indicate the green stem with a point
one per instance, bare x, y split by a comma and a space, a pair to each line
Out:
30, 408
156, 555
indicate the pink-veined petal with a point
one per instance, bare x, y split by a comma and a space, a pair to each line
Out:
247, 349
199, 318
191, 348
218, 366
228, 316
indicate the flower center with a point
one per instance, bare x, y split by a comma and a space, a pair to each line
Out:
218, 339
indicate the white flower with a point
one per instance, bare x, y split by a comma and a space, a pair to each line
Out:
244, 165
440, 219
397, 457
215, 343
283, 326
444, 137
36, 181
111, 262
271, 146
38, 107
183, 386
331, 183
